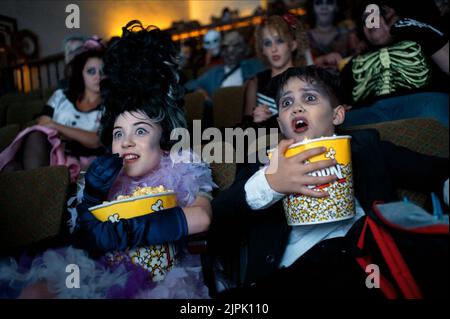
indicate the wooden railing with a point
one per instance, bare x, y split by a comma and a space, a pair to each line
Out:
37, 74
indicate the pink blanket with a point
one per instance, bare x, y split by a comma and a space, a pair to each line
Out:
57, 155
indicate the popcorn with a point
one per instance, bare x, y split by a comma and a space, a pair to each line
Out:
305, 209
339, 205
157, 259
140, 191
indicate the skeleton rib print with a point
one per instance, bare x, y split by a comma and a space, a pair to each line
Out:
398, 67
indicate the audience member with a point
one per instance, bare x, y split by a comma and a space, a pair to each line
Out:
66, 130
281, 43
403, 74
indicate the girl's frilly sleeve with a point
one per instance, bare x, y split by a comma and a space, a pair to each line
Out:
193, 176
181, 172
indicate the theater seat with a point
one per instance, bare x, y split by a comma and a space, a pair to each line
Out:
423, 135
7, 135
23, 100
228, 106
223, 175
23, 112
193, 106
32, 207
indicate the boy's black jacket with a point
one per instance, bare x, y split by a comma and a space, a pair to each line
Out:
379, 168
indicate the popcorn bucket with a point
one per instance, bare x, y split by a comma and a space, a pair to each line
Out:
340, 204
134, 206
156, 259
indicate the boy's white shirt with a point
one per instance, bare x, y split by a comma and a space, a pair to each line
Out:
260, 195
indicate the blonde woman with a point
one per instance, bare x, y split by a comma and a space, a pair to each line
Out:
281, 42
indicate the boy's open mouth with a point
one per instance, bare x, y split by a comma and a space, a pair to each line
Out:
299, 125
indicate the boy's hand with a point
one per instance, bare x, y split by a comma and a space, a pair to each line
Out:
261, 113
100, 176
289, 175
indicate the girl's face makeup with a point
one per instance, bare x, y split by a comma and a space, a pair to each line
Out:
277, 49
136, 138
93, 74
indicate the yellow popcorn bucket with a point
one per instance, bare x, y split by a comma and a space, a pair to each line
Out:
134, 206
340, 204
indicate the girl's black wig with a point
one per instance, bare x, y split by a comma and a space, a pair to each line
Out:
141, 75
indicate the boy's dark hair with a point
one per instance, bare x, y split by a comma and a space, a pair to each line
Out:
76, 87
327, 81
140, 70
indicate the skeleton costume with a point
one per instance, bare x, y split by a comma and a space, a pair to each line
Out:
389, 70
384, 80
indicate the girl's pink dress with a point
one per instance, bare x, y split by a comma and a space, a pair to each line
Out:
57, 155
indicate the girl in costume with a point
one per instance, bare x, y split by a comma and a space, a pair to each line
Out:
141, 257
281, 42
66, 130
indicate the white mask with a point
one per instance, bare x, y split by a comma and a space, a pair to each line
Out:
211, 41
